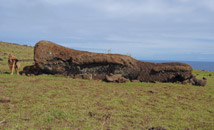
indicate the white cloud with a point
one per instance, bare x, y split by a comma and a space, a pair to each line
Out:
57, 2
126, 8
209, 4
144, 7
140, 27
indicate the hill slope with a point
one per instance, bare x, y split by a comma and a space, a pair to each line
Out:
19, 51
48, 102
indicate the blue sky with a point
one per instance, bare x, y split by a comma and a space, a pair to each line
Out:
146, 29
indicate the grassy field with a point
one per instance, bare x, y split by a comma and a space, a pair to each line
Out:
48, 102
19, 51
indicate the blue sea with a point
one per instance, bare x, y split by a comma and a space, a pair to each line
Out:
196, 65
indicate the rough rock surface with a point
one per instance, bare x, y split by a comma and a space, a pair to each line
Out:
116, 78
157, 128
5, 99
51, 58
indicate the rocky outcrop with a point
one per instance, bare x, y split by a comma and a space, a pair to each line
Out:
157, 128
5, 99
54, 59
118, 78
164, 72
31, 70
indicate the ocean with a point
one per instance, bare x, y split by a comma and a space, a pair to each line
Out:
196, 65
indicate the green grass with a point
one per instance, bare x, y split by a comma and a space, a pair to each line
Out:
19, 51
48, 102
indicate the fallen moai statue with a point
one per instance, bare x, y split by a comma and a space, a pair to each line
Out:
54, 59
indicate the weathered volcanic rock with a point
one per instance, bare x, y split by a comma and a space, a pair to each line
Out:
164, 72
51, 58
118, 78
5, 99
157, 128
28, 70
